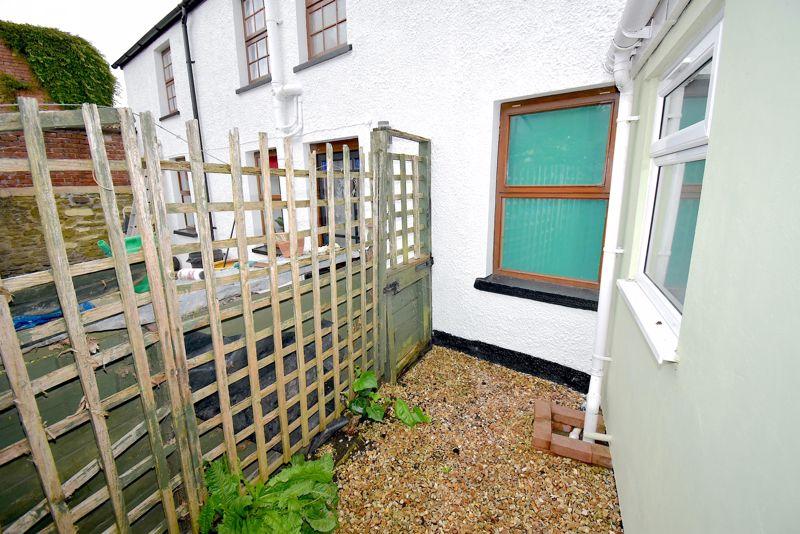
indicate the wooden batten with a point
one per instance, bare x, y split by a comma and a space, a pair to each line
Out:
330, 187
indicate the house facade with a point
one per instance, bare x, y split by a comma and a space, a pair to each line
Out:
326, 71
700, 391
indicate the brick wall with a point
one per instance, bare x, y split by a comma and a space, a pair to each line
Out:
21, 242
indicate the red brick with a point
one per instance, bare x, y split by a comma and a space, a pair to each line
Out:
541, 434
571, 448
568, 416
541, 410
601, 455
561, 427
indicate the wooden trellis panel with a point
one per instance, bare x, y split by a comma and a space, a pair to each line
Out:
253, 372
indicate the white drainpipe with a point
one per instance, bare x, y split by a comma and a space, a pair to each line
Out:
631, 29
284, 95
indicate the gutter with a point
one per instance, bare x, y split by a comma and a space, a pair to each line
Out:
184, 11
630, 32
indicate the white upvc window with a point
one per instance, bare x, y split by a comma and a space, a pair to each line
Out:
657, 290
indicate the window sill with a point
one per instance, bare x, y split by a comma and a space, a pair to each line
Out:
170, 115
257, 83
186, 232
571, 297
324, 57
660, 337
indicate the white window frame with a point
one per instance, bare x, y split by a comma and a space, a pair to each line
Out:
658, 318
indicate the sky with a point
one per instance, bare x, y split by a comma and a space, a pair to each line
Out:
112, 26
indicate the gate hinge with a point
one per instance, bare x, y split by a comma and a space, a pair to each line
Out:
425, 265
392, 287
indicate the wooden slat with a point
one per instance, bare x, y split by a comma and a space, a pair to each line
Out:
362, 253
348, 266
154, 270
296, 300
25, 399
403, 206
80, 165
164, 235
58, 119
314, 207
277, 331
391, 205
204, 235
54, 241
130, 311
330, 187
416, 200
247, 312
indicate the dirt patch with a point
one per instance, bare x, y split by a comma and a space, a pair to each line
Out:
473, 468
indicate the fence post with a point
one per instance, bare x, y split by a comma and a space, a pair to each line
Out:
382, 181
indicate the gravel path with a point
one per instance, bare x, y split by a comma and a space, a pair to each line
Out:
473, 468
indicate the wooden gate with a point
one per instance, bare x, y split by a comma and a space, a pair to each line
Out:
404, 249
248, 362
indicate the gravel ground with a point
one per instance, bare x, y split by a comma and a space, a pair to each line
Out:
473, 468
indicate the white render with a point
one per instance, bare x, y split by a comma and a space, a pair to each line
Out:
437, 69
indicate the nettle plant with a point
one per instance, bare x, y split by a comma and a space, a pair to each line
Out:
301, 498
370, 405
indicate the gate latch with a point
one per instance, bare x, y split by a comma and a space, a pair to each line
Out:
392, 287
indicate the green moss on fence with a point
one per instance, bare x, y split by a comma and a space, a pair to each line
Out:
68, 67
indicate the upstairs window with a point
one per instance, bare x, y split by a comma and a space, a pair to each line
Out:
169, 81
326, 21
255, 39
184, 189
554, 167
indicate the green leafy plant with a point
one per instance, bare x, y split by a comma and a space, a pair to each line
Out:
301, 498
367, 403
68, 67
410, 416
370, 405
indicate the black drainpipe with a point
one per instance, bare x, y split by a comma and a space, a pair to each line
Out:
193, 97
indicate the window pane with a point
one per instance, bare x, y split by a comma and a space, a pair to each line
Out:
252, 52
340, 9
250, 26
553, 236
254, 71
342, 28
260, 21
261, 45
315, 21
330, 38
316, 44
248, 8
669, 251
559, 147
686, 104
329, 14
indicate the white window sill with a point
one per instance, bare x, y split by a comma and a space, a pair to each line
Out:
662, 339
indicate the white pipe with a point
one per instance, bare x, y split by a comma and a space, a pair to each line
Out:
283, 94
634, 18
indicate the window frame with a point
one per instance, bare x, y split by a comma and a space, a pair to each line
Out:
172, 102
338, 148
312, 6
254, 38
602, 95
184, 195
259, 186
659, 318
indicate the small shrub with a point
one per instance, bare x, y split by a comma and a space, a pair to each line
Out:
370, 405
300, 498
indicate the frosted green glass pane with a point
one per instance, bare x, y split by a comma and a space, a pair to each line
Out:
553, 236
559, 147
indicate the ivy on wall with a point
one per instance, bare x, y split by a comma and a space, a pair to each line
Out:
68, 67
10, 86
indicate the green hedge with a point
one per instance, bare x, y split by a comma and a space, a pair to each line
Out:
68, 67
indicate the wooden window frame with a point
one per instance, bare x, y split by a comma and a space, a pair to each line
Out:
254, 38
169, 82
260, 187
312, 6
604, 95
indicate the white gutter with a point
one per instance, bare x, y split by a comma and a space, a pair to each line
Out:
632, 28
284, 95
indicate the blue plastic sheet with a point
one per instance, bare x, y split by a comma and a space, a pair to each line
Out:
23, 322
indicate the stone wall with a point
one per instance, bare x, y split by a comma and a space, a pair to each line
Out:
22, 248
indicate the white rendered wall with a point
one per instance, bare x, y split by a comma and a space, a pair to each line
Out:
435, 70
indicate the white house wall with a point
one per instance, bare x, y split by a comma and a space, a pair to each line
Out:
435, 69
